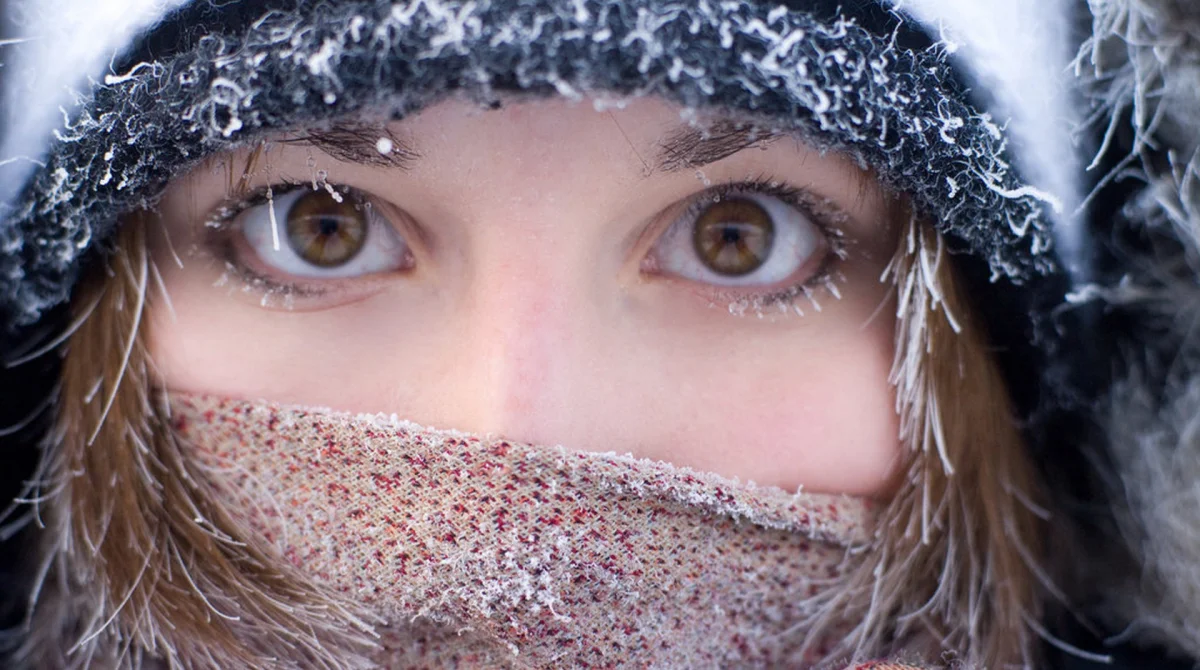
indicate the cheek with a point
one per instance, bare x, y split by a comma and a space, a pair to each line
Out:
818, 415
210, 343
834, 425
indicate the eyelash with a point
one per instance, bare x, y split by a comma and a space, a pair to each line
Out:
220, 243
823, 214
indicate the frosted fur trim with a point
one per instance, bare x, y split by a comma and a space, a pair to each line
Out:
902, 112
60, 44
1019, 51
1142, 68
1144, 60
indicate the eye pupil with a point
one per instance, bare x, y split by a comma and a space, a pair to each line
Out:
328, 226
326, 232
734, 237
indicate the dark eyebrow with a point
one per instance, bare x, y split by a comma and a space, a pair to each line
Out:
692, 146
688, 147
360, 143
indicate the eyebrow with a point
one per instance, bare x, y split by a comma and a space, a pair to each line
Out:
692, 146
686, 148
365, 144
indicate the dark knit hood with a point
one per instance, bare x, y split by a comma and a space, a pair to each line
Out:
1053, 145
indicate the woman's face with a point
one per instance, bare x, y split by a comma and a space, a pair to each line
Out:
608, 281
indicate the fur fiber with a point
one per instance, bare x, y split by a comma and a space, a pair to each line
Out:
1157, 447
1142, 67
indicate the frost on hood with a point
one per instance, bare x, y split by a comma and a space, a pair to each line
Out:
1141, 69
49, 61
899, 111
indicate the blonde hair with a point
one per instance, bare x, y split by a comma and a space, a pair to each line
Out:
957, 549
141, 547
142, 558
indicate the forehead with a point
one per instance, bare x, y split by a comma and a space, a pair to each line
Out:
642, 137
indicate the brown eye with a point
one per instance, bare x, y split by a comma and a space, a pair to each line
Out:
734, 237
326, 231
740, 237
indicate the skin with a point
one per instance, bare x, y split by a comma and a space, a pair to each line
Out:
531, 310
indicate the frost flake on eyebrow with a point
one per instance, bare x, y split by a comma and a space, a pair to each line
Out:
373, 145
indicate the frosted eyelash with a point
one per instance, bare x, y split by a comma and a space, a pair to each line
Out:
822, 213
218, 243
828, 218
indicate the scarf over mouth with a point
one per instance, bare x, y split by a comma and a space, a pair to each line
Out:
469, 551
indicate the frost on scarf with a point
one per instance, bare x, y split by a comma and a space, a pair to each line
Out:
897, 111
479, 552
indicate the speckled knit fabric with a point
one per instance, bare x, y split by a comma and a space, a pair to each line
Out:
480, 552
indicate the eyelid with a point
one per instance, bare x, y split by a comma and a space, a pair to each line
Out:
227, 212
221, 240
828, 217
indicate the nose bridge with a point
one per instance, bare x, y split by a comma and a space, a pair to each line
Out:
522, 335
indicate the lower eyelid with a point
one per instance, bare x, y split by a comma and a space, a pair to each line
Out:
301, 296
814, 272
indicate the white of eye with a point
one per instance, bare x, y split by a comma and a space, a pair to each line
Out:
796, 238
382, 247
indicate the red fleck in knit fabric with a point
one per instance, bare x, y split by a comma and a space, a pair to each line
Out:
481, 552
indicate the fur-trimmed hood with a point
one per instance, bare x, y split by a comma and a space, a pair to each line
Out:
1055, 143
